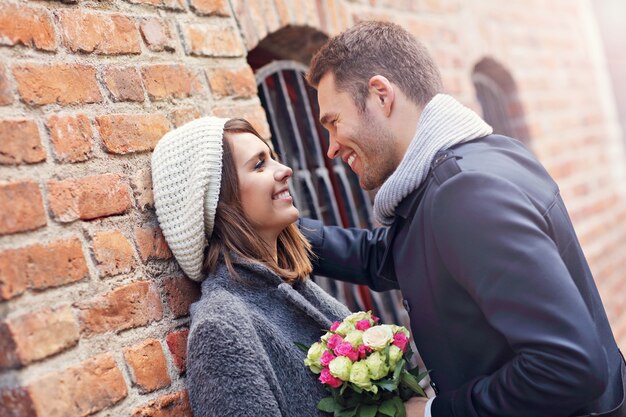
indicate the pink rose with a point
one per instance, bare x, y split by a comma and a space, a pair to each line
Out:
363, 325
363, 351
346, 349
400, 340
376, 319
326, 358
333, 341
334, 326
328, 379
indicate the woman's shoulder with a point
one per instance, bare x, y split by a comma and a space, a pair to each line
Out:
225, 295
328, 304
219, 298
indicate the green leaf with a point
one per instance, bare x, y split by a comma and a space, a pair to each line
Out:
353, 402
387, 384
398, 370
416, 373
388, 408
408, 354
328, 405
348, 412
401, 411
343, 388
301, 346
409, 381
356, 389
367, 410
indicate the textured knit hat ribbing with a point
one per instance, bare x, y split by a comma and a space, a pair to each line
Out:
186, 177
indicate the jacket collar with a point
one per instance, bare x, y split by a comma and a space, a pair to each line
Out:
403, 211
259, 277
249, 274
410, 202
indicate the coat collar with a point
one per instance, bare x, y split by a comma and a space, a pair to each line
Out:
250, 274
403, 211
410, 202
260, 278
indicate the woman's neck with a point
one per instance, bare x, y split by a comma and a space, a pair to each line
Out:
272, 245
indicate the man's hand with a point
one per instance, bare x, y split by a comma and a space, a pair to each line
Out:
415, 406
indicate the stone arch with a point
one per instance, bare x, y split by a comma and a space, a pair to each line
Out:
497, 94
258, 20
290, 43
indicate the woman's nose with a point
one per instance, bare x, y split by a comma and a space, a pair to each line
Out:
282, 172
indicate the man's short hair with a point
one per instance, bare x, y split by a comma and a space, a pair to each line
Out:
377, 48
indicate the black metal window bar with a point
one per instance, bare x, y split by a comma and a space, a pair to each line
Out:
493, 101
322, 189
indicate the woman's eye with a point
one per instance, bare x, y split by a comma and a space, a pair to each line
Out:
259, 164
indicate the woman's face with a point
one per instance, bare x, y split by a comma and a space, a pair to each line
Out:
263, 188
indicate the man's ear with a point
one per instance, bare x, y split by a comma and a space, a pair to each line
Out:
382, 90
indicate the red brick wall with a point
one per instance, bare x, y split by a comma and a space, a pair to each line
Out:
93, 313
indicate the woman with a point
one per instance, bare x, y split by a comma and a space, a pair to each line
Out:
223, 203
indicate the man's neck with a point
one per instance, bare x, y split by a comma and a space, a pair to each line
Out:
405, 121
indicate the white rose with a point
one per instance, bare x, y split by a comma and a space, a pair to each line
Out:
378, 337
327, 336
399, 329
395, 354
355, 338
313, 356
345, 328
355, 317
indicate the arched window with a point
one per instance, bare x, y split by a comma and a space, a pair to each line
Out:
323, 189
497, 94
493, 102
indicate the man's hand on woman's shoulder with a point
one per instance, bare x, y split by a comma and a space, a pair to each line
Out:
415, 406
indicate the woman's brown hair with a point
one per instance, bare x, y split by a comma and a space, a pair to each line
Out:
234, 234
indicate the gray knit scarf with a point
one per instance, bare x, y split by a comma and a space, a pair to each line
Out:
443, 123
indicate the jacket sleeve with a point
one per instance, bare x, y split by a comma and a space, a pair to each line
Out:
226, 373
352, 255
496, 244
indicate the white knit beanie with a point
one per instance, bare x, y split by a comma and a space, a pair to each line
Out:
186, 177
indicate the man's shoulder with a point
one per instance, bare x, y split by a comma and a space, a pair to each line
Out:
495, 156
491, 147
494, 159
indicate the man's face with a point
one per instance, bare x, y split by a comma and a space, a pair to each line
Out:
360, 139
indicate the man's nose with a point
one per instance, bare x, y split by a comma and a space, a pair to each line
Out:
333, 148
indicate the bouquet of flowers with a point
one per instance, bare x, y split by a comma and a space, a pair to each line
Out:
363, 365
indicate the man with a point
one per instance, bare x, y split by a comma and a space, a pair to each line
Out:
503, 307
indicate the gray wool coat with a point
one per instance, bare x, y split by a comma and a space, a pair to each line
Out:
241, 358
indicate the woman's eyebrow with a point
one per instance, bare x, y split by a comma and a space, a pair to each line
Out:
255, 157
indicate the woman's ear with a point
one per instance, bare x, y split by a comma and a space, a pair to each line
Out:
381, 89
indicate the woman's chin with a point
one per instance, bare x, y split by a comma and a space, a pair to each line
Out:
293, 216
296, 213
